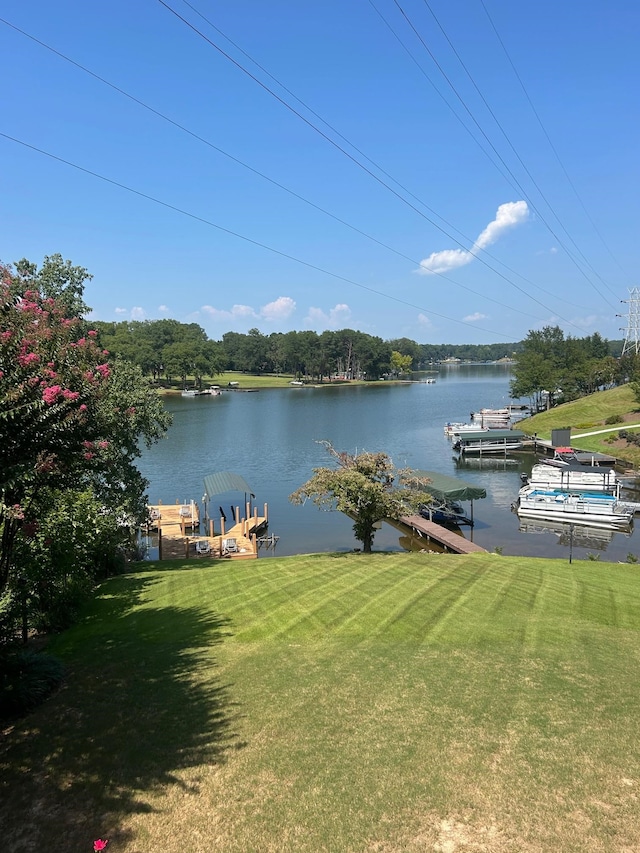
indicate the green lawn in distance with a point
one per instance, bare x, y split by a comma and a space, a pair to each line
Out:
401, 702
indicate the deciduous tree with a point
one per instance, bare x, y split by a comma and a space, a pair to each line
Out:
367, 487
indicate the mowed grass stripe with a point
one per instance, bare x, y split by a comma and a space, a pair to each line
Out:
310, 610
426, 703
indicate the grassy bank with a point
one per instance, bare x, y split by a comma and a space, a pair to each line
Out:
590, 413
248, 381
403, 702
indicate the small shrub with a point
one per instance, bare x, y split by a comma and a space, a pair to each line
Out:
631, 558
614, 419
26, 679
498, 550
595, 558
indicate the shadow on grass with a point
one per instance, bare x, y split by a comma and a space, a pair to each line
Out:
142, 702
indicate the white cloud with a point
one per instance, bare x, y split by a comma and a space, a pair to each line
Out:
473, 318
163, 309
237, 312
137, 313
121, 310
424, 320
508, 215
586, 323
334, 318
282, 308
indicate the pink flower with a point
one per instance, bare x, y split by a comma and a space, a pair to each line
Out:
1, 374
131, 410
25, 359
103, 370
87, 443
70, 395
83, 407
50, 394
88, 455
92, 333
99, 845
6, 335
102, 445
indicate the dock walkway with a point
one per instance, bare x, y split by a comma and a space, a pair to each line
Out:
450, 540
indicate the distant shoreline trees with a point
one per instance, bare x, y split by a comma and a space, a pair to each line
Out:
172, 350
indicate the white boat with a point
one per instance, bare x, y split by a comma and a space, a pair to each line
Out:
590, 508
190, 392
457, 428
574, 478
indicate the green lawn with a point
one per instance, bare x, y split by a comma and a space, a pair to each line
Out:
403, 702
587, 414
251, 380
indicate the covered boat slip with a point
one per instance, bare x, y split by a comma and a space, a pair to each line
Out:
178, 526
446, 491
494, 441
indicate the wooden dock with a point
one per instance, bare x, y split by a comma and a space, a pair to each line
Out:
179, 538
451, 541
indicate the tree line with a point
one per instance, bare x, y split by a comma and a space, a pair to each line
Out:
173, 350
552, 368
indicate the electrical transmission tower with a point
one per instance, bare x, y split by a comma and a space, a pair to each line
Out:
632, 329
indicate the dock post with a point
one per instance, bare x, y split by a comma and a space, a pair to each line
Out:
222, 525
212, 530
254, 543
266, 513
247, 510
237, 515
159, 541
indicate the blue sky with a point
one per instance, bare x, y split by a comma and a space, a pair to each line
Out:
452, 172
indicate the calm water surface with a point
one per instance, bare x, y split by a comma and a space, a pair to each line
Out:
270, 438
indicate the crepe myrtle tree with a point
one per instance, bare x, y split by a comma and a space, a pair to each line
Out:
367, 487
69, 419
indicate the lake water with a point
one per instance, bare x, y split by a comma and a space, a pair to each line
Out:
270, 439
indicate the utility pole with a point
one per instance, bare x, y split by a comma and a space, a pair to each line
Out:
632, 329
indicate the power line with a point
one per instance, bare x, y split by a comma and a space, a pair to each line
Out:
272, 181
497, 153
347, 154
548, 138
513, 148
243, 237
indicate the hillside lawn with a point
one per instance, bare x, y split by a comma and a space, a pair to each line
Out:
589, 413
343, 703
254, 381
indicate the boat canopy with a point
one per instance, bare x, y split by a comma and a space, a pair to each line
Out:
445, 488
225, 481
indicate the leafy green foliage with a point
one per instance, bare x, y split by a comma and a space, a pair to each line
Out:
551, 367
71, 425
367, 487
26, 679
